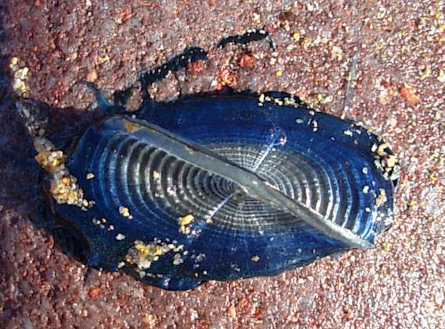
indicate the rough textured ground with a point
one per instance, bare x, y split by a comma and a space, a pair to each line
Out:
382, 62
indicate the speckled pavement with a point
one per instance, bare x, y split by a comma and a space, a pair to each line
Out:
379, 62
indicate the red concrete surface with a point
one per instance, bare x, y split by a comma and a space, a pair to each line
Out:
384, 60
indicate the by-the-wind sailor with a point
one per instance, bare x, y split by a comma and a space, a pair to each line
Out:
218, 187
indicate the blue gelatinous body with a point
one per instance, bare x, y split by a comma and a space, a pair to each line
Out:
221, 187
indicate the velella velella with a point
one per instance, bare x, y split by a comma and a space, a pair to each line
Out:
217, 186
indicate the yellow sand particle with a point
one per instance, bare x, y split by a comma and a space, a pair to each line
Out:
184, 223
381, 199
124, 211
144, 254
255, 259
20, 77
391, 161
63, 185
381, 149
261, 98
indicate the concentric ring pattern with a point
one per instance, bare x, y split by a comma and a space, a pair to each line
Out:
142, 177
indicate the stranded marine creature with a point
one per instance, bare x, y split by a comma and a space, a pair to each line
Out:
216, 186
